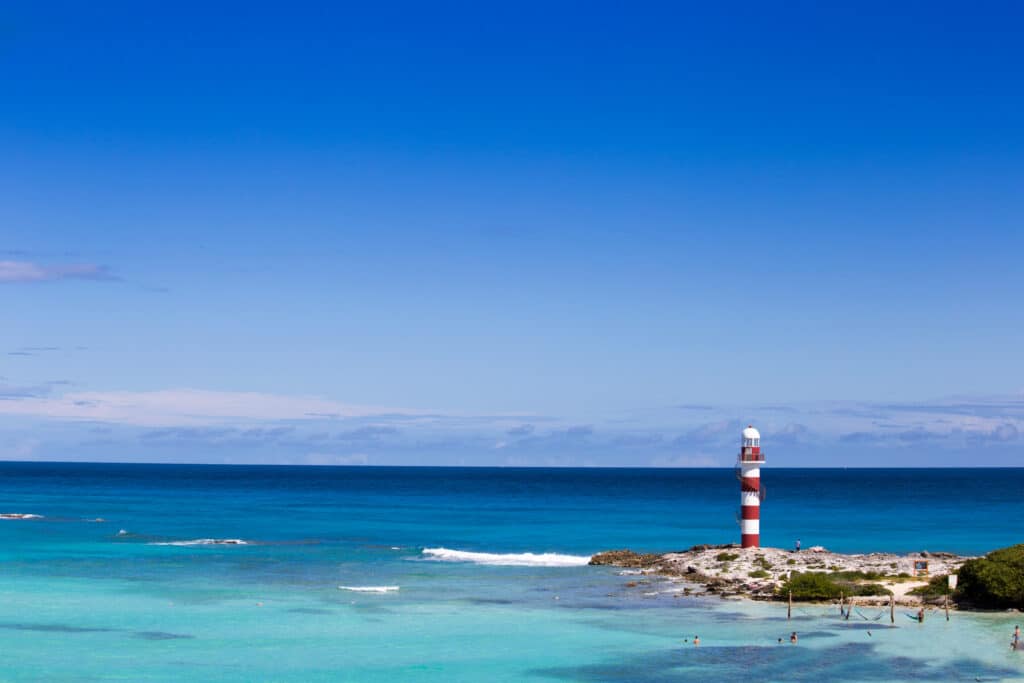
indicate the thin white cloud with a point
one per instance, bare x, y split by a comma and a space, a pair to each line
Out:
28, 271
689, 461
186, 407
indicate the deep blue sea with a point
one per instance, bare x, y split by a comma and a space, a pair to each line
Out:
175, 572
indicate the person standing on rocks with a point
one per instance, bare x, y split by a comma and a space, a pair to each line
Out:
798, 545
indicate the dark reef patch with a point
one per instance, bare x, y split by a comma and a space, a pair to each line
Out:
782, 662
53, 628
161, 635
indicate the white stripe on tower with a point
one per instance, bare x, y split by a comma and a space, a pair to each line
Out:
750, 461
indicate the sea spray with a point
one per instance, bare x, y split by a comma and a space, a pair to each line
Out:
507, 559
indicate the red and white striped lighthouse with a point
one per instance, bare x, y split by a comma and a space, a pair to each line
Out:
748, 467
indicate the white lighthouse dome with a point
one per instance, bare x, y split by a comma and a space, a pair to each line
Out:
751, 433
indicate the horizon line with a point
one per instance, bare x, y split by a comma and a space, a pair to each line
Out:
489, 467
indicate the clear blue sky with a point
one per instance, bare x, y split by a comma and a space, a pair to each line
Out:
533, 234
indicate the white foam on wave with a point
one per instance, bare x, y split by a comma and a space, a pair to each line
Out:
18, 515
369, 589
507, 559
204, 541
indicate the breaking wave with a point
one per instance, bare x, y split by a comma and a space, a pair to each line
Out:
18, 515
507, 559
369, 589
204, 541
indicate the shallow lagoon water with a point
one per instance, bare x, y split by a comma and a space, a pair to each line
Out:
81, 601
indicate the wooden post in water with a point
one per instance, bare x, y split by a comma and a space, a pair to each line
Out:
840, 604
947, 606
849, 607
789, 610
892, 609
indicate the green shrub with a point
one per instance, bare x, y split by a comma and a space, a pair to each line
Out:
936, 587
821, 586
811, 586
762, 563
726, 557
996, 580
790, 561
868, 589
759, 574
853, 575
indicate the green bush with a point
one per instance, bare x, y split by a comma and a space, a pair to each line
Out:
759, 574
937, 586
852, 575
868, 589
811, 586
821, 586
996, 580
790, 561
726, 557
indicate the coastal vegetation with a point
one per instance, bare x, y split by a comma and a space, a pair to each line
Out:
821, 586
771, 573
994, 581
937, 587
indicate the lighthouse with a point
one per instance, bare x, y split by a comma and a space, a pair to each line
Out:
748, 469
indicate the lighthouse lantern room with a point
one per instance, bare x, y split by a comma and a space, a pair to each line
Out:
748, 469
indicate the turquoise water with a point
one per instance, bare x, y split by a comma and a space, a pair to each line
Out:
143, 595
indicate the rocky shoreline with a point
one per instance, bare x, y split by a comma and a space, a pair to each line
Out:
760, 573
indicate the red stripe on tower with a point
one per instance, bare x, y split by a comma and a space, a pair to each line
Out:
749, 465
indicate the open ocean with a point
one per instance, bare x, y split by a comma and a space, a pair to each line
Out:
464, 574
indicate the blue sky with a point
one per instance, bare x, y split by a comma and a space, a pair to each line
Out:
572, 234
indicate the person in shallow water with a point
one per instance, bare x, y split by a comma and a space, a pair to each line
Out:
696, 640
792, 637
920, 616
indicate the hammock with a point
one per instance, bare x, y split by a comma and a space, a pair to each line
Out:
876, 618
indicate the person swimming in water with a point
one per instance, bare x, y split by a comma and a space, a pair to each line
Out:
696, 640
792, 637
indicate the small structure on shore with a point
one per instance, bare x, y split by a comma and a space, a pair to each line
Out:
748, 471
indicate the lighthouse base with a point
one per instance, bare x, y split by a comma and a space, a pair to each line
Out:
750, 541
